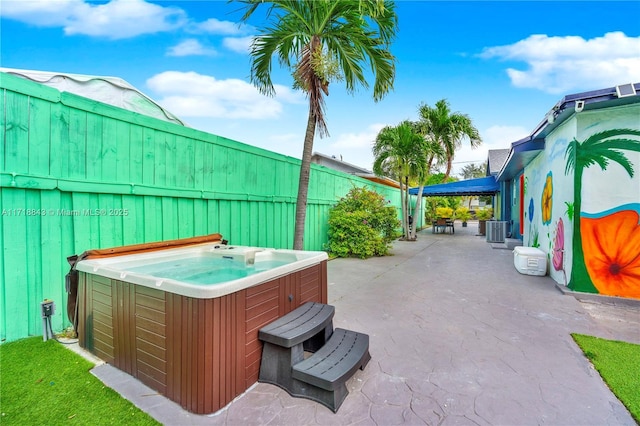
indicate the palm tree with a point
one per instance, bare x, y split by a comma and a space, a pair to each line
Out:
447, 129
431, 149
473, 171
598, 149
399, 151
321, 41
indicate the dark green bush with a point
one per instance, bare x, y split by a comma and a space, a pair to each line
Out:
361, 224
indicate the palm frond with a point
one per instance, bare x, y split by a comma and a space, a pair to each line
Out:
603, 147
448, 129
621, 143
401, 149
622, 160
350, 32
600, 137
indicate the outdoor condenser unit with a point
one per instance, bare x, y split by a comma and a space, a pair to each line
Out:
496, 231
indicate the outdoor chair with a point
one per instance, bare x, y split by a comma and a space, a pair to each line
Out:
440, 225
449, 226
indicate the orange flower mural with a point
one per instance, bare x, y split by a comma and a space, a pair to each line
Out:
611, 247
547, 199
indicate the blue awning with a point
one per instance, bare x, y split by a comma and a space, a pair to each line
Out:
480, 186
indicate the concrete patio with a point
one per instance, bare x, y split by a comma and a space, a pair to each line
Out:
457, 337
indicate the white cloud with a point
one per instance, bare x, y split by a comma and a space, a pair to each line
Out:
190, 47
215, 26
355, 148
352, 147
561, 64
495, 137
238, 44
501, 137
42, 13
190, 94
364, 139
116, 19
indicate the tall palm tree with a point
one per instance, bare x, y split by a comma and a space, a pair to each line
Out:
399, 151
431, 150
448, 129
321, 41
599, 149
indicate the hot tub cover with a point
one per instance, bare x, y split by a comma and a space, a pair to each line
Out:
109, 90
71, 279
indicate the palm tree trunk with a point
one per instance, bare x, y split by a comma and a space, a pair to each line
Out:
303, 183
580, 279
449, 165
416, 212
402, 210
407, 233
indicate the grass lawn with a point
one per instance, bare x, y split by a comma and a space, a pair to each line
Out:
45, 383
619, 365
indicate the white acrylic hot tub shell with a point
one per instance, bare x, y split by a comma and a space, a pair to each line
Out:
118, 267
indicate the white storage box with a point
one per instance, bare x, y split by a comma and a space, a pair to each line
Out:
530, 261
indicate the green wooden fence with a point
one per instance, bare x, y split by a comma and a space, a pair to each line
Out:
76, 174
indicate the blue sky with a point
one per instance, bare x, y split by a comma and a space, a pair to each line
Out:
505, 64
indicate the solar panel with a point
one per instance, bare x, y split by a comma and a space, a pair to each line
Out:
624, 90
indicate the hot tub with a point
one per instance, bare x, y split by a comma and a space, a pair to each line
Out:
185, 321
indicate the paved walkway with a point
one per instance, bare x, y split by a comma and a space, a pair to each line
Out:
457, 337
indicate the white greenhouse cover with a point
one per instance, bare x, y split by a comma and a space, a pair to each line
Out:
109, 90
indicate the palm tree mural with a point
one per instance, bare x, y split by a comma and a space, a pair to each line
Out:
400, 151
447, 129
321, 41
601, 148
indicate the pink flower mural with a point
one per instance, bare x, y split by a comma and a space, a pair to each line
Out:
558, 247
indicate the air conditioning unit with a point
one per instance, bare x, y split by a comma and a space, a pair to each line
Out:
496, 231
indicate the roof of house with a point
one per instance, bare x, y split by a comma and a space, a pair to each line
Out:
496, 160
337, 164
523, 151
109, 90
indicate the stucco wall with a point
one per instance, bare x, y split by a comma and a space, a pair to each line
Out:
548, 195
583, 200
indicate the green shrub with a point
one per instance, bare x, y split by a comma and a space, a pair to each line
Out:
485, 214
463, 214
361, 224
433, 203
444, 212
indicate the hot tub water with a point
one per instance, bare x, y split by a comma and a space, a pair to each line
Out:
202, 271
207, 270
